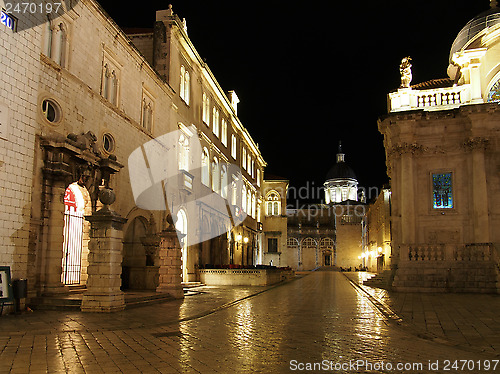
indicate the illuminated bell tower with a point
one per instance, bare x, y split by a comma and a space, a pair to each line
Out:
341, 183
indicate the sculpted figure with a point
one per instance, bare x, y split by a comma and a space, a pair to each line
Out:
405, 71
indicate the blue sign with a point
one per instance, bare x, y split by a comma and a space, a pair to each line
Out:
8, 20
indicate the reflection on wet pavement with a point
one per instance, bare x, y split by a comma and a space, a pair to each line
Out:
319, 319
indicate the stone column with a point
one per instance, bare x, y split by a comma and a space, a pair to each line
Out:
170, 276
55, 238
407, 201
105, 257
480, 214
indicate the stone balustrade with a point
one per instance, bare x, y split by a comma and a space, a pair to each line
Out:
448, 268
406, 99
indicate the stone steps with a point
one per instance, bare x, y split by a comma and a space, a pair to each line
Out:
73, 301
381, 280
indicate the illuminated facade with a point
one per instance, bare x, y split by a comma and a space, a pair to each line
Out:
90, 99
441, 140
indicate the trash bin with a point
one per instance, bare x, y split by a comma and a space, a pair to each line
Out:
19, 291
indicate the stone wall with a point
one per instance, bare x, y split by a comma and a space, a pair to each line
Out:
241, 277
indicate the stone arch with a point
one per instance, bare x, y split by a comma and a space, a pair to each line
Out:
327, 248
134, 254
77, 204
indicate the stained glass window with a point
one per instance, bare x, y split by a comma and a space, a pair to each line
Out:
442, 190
494, 94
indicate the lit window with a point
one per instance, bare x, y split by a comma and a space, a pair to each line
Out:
233, 146
216, 179
244, 159
223, 181
185, 85
215, 121
249, 161
244, 198
206, 109
442, 191
273, 204
183, 153
254, 206
223, 135
494, 94
258, 177
205, 168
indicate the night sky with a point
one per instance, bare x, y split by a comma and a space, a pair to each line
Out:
311, 73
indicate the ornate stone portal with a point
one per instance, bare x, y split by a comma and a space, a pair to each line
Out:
66, 160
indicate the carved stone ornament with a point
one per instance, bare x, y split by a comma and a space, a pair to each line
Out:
476, 143
405, 148
405, 71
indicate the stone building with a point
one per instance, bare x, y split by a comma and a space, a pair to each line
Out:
377, 250
274, 220
442, 148
81, 100
328, 235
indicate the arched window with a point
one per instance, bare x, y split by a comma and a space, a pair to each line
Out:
292, 242
309, 243
181, 225
215, 175
223, 181
273, 204
183, 152
254, 206
244, 198
184, 90
223, 135
205, 168
327, 243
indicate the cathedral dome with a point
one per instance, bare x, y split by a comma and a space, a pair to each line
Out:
474, 28
340, 171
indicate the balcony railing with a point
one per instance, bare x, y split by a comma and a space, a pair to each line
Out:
406, 99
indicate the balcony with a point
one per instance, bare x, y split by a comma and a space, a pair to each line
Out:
405, 99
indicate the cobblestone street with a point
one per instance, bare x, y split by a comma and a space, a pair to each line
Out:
320, 318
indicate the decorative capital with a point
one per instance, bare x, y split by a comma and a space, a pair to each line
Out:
405, 148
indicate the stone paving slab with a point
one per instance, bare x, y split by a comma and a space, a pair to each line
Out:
468, 320
318, 318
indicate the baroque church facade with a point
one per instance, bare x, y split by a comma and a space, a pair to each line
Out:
442, 149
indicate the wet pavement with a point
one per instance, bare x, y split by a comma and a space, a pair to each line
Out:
318, 322
468, 320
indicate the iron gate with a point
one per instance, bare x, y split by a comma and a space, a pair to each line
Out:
72, 247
